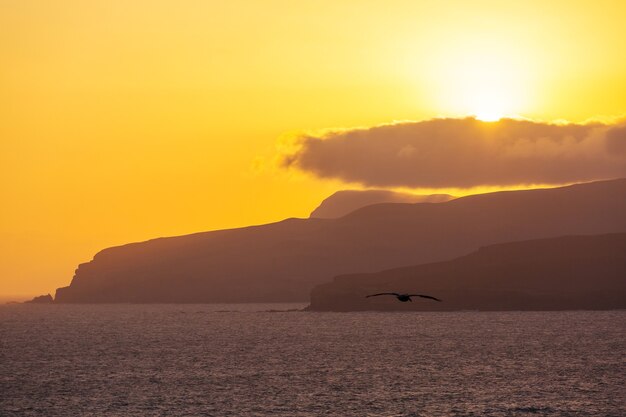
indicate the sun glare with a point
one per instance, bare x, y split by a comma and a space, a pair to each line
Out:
489, 116
487, 105
481, 79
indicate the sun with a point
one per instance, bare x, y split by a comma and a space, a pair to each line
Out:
482, 79
489, 116
487, 89
488, 106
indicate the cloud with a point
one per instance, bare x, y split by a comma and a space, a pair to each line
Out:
464, 153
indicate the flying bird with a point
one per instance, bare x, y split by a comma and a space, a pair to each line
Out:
403, 297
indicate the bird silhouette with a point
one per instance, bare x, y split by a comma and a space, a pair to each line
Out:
403, 297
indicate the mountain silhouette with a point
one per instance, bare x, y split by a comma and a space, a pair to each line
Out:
283, 261
564, 273
346, 201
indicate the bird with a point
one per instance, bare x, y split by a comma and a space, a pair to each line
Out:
404, 297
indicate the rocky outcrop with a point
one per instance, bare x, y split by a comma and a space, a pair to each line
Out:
343, 202
283, 261
565, 273
42, 299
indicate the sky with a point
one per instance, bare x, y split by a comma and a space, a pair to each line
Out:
124, 121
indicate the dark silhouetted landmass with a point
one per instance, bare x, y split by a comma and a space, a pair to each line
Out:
565, 273
283, 261
42, 299
343, 202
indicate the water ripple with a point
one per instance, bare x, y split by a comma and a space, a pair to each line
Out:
247, 360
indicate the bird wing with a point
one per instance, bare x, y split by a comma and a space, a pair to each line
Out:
424, 296
382, 293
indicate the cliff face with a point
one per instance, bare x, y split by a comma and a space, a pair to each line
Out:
571, 272
343, 202
284, 261
42, 299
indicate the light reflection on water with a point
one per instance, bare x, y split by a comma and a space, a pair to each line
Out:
249, 360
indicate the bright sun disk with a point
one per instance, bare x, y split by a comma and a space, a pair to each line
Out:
487, 107
482, 78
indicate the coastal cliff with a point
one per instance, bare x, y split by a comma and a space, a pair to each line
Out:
343, 202
283, 261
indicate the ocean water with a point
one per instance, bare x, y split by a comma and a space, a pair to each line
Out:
248, 360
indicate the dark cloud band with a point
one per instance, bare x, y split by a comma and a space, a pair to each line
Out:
465, 153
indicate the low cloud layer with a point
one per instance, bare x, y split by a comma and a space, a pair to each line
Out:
465, 153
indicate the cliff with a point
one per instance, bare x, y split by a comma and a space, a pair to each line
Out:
284, 261
42, 299
343, 202
565, 273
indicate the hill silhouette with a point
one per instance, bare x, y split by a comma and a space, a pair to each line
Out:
283, 261
346, 201
42, 299
564, 273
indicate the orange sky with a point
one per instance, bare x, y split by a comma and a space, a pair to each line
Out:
122, 121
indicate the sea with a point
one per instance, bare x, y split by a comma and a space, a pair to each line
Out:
276, 360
